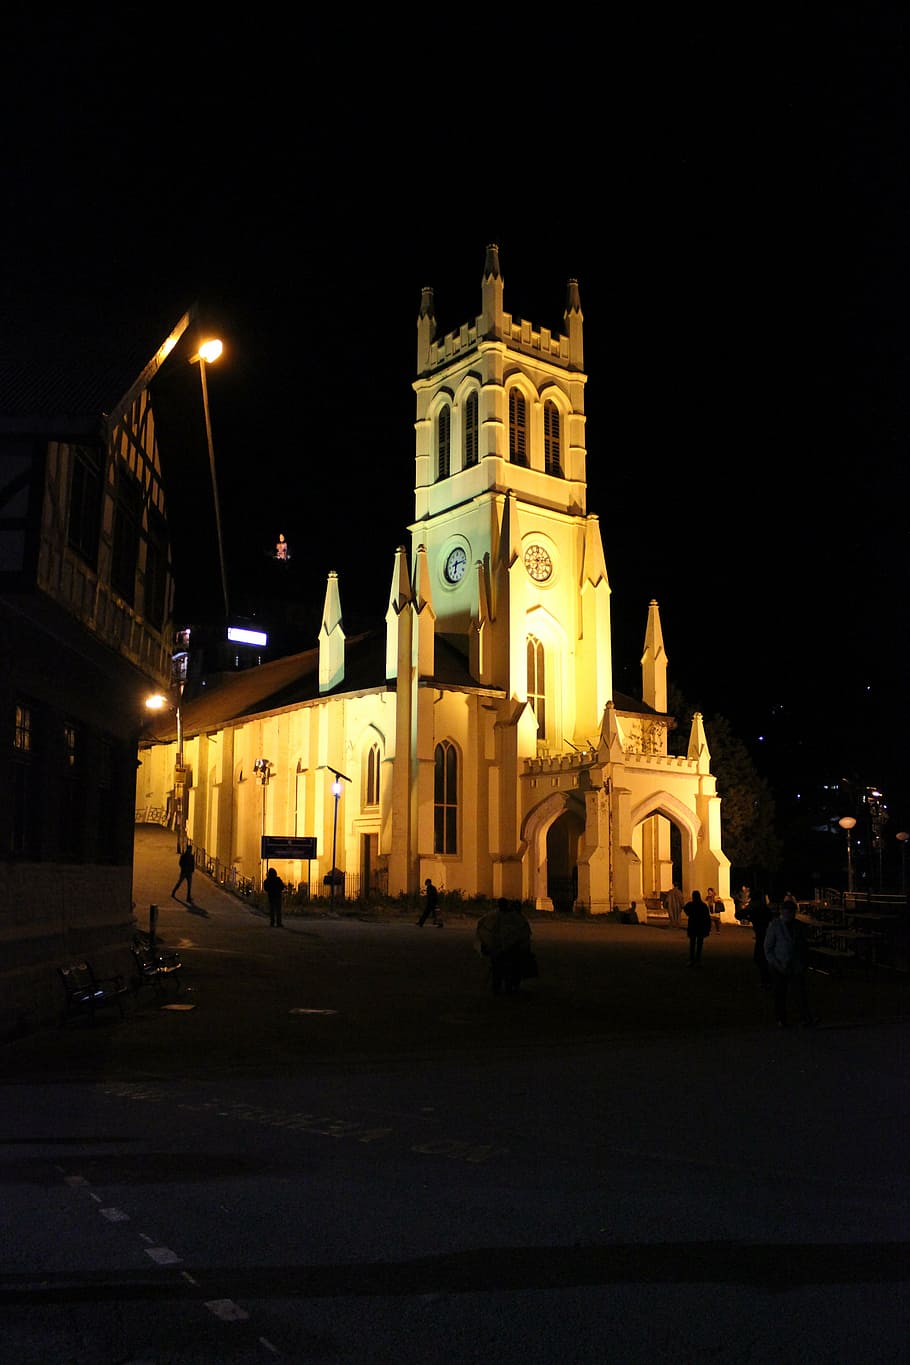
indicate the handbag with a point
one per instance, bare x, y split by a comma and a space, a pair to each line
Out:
528, 969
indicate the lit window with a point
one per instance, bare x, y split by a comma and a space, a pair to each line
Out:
22, 734
552, 461
518, 427
372, 777
443, 434
445, 799
470, 430
537, 684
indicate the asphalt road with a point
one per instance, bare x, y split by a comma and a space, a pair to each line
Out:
347, 1150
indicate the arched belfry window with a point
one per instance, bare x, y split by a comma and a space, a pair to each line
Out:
537, 684
445, 799
443, 442
518, 427
471, 431
371, 783
552, 458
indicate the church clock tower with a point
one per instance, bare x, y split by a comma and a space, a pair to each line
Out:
516, 565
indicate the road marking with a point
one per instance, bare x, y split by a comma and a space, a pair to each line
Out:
163, 1255
227, 1310
114, 1215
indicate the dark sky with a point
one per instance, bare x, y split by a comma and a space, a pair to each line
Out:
734, 203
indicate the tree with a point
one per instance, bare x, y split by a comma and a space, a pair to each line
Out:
749, 837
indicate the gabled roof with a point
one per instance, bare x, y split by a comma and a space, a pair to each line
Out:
66, 374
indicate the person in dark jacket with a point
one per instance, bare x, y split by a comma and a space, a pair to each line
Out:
431, 906
761, 914
273, 887
699, 918
787, 952
187, 868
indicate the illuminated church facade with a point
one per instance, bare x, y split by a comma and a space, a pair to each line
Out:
478, 738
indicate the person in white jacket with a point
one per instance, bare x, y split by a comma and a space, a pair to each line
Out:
787, 955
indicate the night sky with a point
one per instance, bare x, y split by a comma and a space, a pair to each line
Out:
734, 204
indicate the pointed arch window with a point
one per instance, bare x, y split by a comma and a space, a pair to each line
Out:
443, 442
471, 432
518, 427
445, 799
552, 458
371, 785
537, 684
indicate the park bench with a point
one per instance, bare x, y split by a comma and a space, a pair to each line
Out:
86, 994
156, 965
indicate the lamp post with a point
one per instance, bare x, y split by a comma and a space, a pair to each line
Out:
902, 838
209, 351
848, 824
336, 792
158, 702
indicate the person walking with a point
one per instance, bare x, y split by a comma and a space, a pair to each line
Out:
788, 958
504, 936
431, 906
187, 868
273, 887
675, 906
699, 927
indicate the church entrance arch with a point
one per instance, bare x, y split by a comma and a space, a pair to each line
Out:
665, 840
553, 833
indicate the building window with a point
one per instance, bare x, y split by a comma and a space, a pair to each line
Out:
69, 746
127, 523
84, 521
22, 732
156, 570
537, 684
518, 427
471, 431
445, 799
443, 441
552, 460
371, 795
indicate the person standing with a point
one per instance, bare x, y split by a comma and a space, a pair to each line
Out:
505, 938
760, 915
431, 906
699, 927
273, 887
187, 868
675, 906
715, 907
787, 952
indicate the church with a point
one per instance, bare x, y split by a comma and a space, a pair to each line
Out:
476, 739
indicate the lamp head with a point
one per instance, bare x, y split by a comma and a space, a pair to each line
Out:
847, 822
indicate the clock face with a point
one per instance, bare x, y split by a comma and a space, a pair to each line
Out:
456, 563
538, 563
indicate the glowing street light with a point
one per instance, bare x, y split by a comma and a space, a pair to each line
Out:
207, 353
159, 702
848, 824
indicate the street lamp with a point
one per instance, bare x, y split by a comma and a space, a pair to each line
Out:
209, 351
158, 702
336, 792
902, 838
848, 824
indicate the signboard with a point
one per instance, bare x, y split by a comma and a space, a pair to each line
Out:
288, 846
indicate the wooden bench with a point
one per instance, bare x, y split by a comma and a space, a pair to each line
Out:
86, 994
156, 965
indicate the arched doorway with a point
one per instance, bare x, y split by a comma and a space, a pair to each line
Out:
563, 840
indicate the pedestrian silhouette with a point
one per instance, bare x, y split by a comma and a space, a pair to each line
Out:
187, 868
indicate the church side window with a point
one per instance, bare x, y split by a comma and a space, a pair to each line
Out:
443, 438
518, 427
445, 799
371, 794
537, 684
470, 431
552, 460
